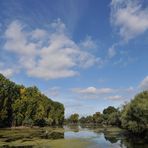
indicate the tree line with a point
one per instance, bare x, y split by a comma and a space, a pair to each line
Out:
27, 106
132, 116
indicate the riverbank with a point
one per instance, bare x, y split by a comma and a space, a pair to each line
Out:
38, 137
67, 137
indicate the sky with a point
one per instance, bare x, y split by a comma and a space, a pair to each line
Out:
86, 54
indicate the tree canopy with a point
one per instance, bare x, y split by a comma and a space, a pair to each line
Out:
74, 118
134, 115
27, 106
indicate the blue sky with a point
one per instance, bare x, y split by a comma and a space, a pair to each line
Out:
86, 54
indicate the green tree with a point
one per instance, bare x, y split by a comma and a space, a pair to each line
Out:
8, 94
82, 120
97, 118
114, 119
89, 119
74, 118
27, 106
135, 114
109, 110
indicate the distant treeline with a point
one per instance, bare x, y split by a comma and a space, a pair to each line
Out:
132, 116
21, 106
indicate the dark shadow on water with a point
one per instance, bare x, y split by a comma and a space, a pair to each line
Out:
135, 142
126, 140
111, 139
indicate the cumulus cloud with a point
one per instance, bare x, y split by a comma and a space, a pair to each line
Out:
38, 33
93, 90
144, 84
129, 17
16, 40
58, 57
104, 93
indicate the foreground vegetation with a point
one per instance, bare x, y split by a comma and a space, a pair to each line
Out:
21, 106
38, 137
133, 116
68, 137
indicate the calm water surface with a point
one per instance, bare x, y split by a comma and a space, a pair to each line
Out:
106, 139
96, 137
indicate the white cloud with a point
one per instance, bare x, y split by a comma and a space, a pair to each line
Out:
89, 90
130, 89
7, 72
88, 43
116, 97
144, 84
58, 25
16, 40
105, 93
129, 17
112, 51
56, 58
38, 34
105, 90
93, 90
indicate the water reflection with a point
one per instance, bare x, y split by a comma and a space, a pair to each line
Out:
111, 139
74, 128
103, 138
99, 137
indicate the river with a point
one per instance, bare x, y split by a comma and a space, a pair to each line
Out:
69, 137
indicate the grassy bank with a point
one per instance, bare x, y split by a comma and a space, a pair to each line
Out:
38, 137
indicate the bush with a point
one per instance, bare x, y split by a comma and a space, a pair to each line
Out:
135, 114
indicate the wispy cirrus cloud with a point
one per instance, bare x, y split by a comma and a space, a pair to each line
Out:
48, 55
129, 17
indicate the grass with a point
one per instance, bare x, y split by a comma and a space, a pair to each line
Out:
39, 137
48, 137
60, 143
